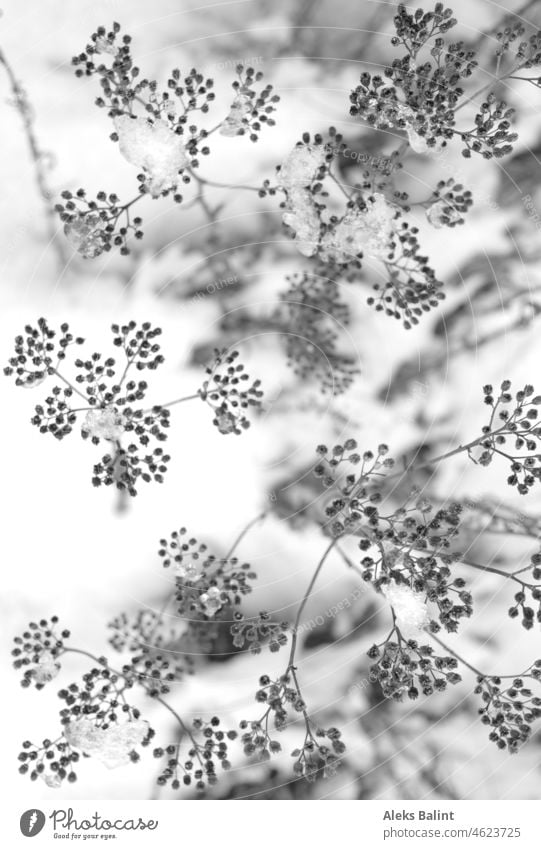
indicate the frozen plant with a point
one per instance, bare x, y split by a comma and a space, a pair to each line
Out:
420, 104
156, 131
408, 555
109, 401
408, 543
421, 96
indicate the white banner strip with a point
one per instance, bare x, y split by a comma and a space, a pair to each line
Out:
363, 824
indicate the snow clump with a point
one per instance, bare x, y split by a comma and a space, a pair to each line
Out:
155, 148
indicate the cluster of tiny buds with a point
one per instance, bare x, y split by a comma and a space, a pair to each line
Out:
198, 764
510, 711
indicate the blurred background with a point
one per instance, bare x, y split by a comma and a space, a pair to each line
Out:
75, 551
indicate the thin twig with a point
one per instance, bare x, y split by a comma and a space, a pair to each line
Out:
243, 533
411, 467
305, 600
104, 663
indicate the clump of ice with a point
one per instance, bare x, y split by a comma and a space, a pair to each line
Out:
301, 165
302, 216
211, 601
188, 571
33, 379
46, 669
441, 214
153, 147
418, 143
233, 125
51, 779
113, 745
410, 609
368, 231
86, 234
106, 423
103, 45
226, 421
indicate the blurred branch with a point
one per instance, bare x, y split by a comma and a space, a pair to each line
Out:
39, 157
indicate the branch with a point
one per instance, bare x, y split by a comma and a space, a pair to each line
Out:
37, 155
304, 601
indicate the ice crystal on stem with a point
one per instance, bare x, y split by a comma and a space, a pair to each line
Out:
104, 45
441, 214
103, 424
409, 609
234, 123
46, 669
368, 231
36, 653
155, 148
85, 232
51, 780
211, 601
417, 142
301, 165
302, 216
188, 571
113, 745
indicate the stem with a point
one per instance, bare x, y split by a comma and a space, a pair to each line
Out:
73, 388
304, 601
178, 718
243, 533
95, 659
304, 711
459, 658
203, 181
494, 82
25, 111
181, 400
339, 184
129, 359
470, 666
100, 662
172, 403
348, 561
291, 668
495, 571
411, 467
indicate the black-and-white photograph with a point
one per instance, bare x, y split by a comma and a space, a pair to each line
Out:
270, 307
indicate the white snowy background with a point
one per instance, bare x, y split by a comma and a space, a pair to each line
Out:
64, 547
